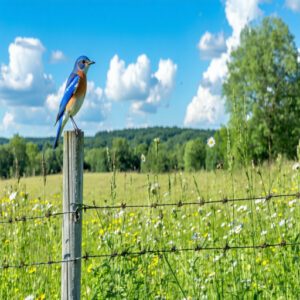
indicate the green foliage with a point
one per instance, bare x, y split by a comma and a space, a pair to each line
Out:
122, 156
6, 161
116, 150
53, 160
194, 155
33, 162
18, 149
172, 136
157, 159
262, 92
97, 160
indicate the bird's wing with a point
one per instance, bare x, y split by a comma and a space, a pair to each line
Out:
71, 87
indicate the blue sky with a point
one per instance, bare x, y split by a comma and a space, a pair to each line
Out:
157, 62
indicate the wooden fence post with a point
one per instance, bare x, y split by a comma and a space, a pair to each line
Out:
72, 222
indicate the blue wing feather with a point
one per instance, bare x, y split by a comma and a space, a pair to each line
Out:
70, 89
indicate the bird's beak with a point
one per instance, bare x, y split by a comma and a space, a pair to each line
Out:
91, 62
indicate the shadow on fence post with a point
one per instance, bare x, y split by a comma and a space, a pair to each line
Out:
72, 223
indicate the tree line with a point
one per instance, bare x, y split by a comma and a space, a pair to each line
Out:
122, 150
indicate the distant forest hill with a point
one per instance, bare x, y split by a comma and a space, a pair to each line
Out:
135, 136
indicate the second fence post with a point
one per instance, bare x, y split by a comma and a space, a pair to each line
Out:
72, 222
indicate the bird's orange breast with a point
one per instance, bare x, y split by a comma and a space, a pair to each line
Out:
81, 89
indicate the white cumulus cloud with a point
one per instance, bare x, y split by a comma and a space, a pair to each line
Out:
8, 120
136, 83
294, 5
163, 81
128, 83
207, 107
23, 81
211, 45
57, 56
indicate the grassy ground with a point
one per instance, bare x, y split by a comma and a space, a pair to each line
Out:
244, 273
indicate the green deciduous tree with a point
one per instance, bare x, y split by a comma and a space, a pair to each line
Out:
194, 155
262, 91
6, 161
17, 146
33, 162
121, 154
97, 160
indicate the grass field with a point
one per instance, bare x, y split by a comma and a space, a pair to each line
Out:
271, 272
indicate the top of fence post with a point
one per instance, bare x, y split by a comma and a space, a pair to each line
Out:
72, 223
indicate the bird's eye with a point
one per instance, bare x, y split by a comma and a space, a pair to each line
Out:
83, 61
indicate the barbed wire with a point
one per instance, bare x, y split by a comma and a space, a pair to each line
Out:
181, 203
125, 252
25, 218
123, 205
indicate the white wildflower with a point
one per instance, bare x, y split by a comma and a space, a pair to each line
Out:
242, 208
264, 232
296, 166
35, 207
257, 201
119, 214
292, 202
218, 257
282, 222
12, 196
30, 297
237, 229
211, 142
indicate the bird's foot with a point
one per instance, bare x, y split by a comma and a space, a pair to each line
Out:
77, 131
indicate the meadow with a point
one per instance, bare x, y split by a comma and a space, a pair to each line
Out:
259, 273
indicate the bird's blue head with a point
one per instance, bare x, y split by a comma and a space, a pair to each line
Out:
82, 64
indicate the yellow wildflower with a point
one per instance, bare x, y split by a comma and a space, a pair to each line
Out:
90, 268
265, 262
32, 270
41, 297
154, 262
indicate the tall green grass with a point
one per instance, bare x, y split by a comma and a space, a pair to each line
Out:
243, 273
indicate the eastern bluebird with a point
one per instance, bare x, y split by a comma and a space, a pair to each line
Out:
73, 96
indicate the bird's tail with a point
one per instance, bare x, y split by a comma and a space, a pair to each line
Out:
59, 130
